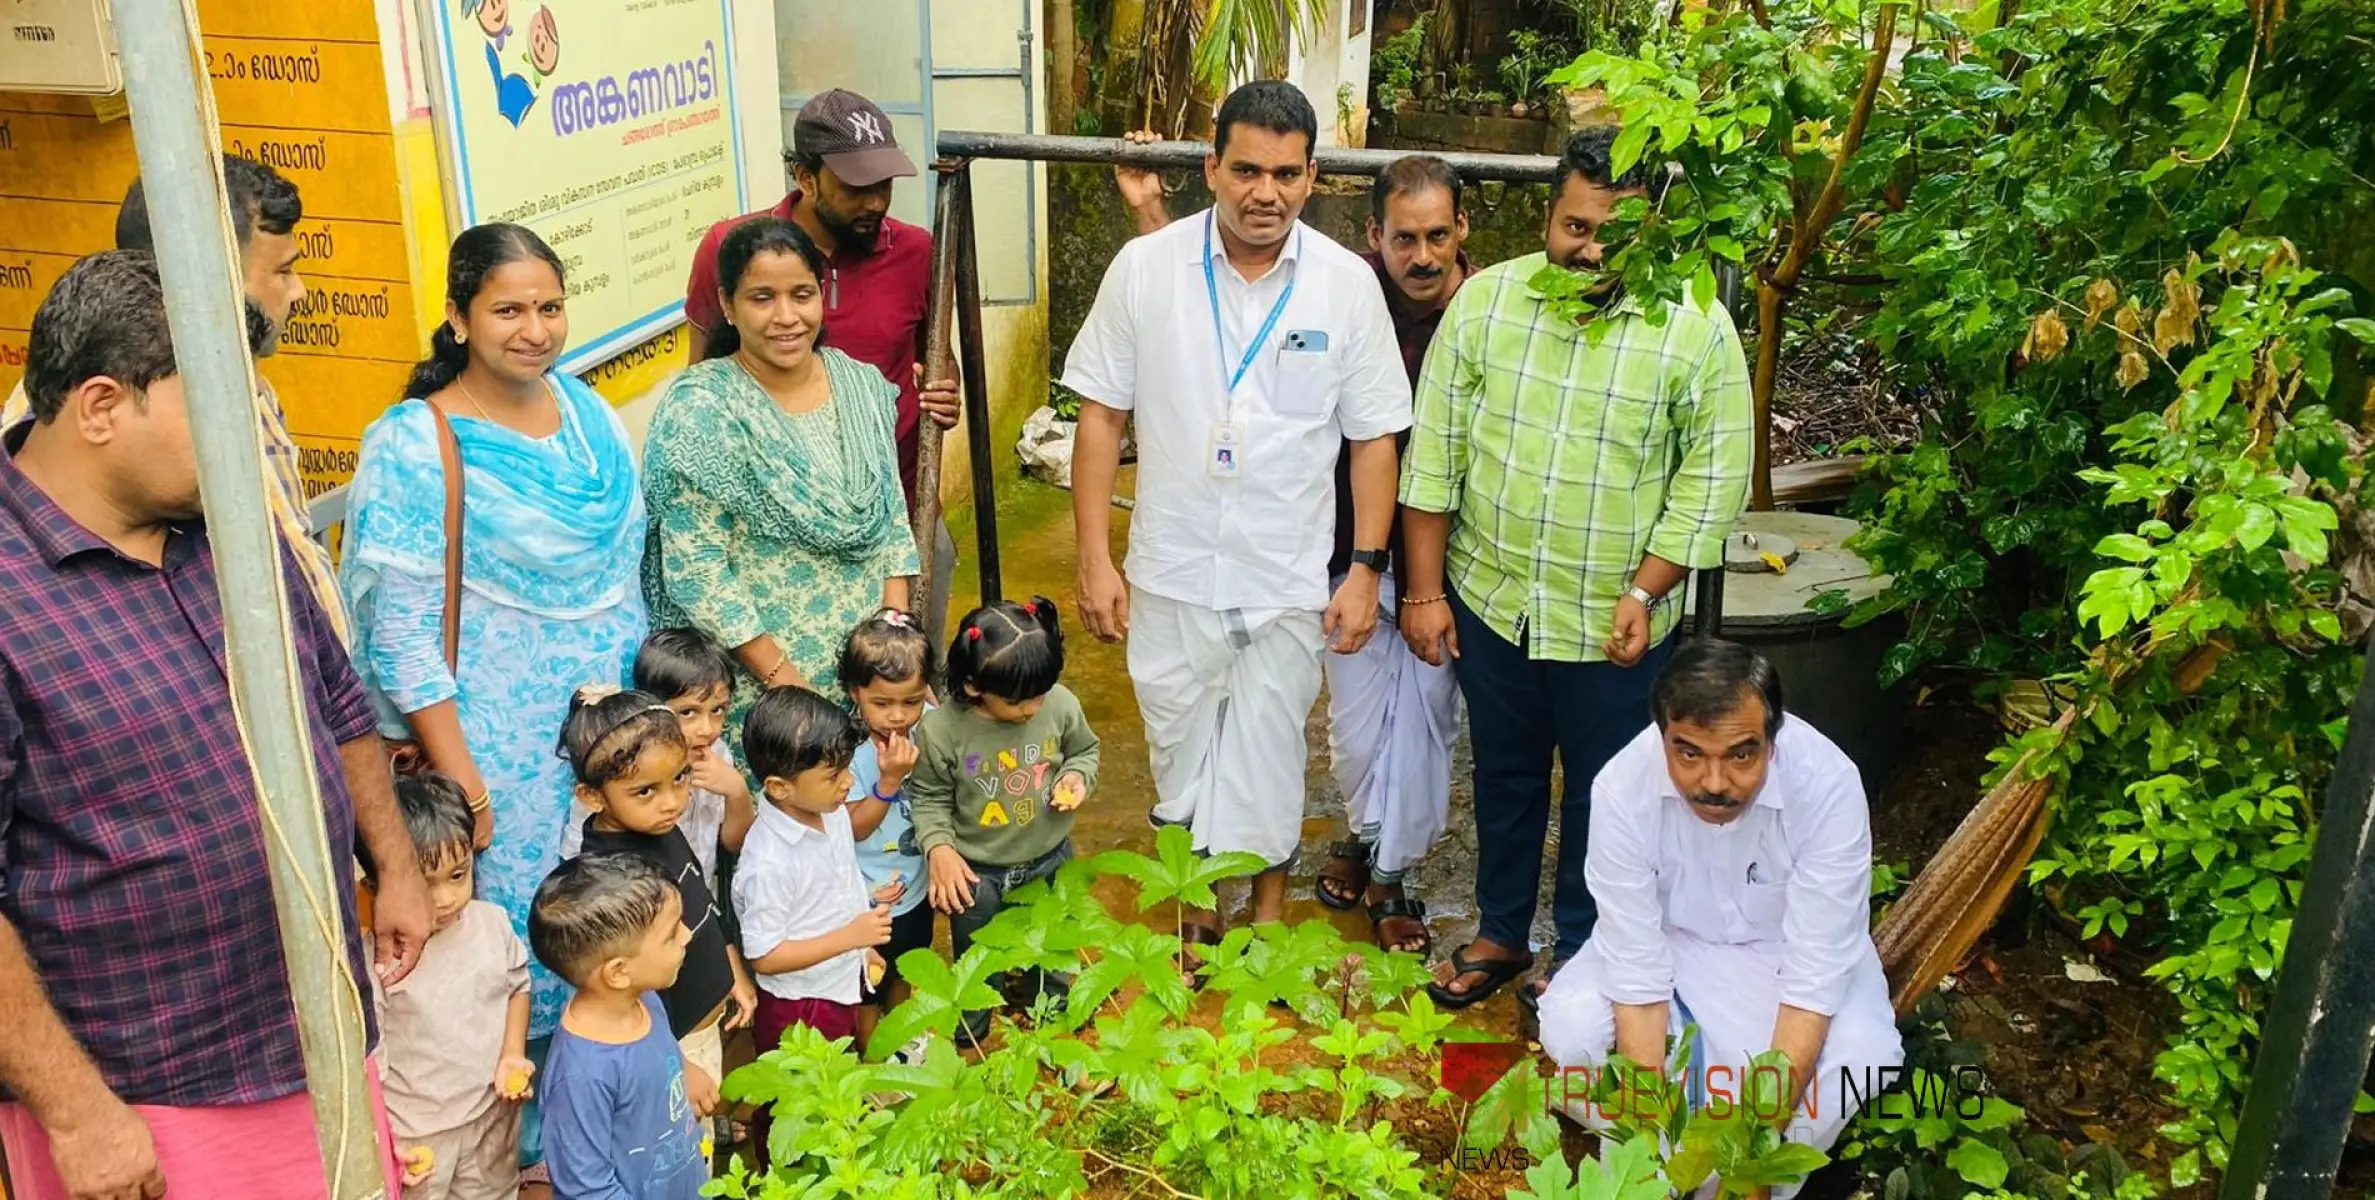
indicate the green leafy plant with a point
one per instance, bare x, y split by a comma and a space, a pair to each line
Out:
1064, 400
1658, 1144
1176, 873
1929, 1142
2097, 246
1396, 63
1117, 1082
1533, 54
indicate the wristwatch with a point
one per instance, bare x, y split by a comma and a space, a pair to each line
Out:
1637, 592
1375, 560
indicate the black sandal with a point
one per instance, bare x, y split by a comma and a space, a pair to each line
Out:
1497, 973
1354, 881
1400, 906
1530, 998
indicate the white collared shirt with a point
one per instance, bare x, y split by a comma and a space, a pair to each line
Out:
1261, 540
1794, 870
793, 883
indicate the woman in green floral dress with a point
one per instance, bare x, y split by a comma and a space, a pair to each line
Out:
772, 477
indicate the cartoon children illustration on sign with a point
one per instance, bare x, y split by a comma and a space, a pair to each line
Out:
514, 94
494, 18
544, 44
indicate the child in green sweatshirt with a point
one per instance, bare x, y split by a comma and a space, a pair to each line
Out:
1000, 768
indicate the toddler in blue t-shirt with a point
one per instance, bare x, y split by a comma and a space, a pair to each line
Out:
887, 667
617, 1122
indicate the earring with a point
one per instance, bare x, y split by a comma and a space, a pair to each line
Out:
461, 339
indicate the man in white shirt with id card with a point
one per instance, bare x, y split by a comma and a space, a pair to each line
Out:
1248, 348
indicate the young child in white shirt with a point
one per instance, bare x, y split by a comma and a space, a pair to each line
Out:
456, 1028
809, 927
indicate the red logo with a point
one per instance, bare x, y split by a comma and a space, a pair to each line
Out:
1469, 1069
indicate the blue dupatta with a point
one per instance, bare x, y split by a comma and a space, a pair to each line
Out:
554, 526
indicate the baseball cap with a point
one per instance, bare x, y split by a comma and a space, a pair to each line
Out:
853, 137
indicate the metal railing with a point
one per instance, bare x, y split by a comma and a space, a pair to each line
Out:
955, 295
2319, 1029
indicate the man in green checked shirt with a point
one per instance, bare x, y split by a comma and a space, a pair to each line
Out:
1556, 494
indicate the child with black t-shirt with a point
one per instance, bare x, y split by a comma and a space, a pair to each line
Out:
633, 774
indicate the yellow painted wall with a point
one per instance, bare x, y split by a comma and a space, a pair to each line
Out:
299, 85
307, 88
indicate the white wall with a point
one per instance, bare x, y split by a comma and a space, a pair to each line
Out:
1336, 60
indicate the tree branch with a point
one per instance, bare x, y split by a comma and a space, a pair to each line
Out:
1826, 204
1806, 232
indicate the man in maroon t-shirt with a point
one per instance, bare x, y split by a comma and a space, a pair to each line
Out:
1392, 718
878, 273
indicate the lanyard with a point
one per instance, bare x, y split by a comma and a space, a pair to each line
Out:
1219, 339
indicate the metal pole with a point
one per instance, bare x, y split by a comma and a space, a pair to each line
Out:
174, 132
1040, 147
2320, 1025
977, 393
929, 435
1708, 606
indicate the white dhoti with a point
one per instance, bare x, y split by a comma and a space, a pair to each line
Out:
1732, 993
1225, 696
1392, 719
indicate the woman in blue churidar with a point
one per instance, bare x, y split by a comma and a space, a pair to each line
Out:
552, 541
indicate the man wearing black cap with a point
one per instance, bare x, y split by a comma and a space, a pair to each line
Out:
878, 272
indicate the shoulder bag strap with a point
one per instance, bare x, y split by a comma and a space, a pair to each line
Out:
451, 451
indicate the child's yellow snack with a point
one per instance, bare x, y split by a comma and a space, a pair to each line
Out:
515, 1083
875, 970
422, 1160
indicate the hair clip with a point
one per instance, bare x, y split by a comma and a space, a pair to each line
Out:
897, 619
596, 693
973, 634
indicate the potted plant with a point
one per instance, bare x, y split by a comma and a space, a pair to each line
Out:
1463, 88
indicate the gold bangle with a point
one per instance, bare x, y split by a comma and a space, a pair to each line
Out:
769, 679
482, 802
1407, 602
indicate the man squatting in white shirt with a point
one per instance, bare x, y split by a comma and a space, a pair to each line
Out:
1731, 857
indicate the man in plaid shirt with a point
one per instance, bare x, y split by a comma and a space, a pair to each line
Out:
1555, 495
151, 1035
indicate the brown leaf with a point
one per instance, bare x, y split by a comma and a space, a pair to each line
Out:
2261, 387
2101, 295
2175, 324
2130, 320
2132, 368
2047, 337
2284, 255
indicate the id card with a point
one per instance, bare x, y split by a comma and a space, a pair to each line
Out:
1223, 458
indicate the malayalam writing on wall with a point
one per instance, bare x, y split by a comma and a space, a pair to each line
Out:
299, 86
